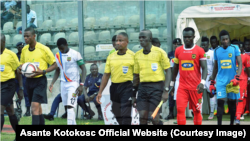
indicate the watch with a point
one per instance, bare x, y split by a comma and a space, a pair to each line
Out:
44, 72
21, 88
167, 89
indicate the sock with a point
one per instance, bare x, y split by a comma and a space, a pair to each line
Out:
35, 119
212, 104
220, 111
244, 105
13, 121
71, 116
2, 121
197, 118
181, 117
239, 109
232, 110
42, 122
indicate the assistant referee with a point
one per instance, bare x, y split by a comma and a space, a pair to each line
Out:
9, 64
150, 64
36, 86
119, 65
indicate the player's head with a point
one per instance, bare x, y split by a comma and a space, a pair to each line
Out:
2, 42
114, 42
145, 38
29, 35
122, 41
28, 9
247, 45
224, 38
62, 45
241, 44
205, 43
214, 42
94, 69
19, 46
176, 43
188, 36
156, 42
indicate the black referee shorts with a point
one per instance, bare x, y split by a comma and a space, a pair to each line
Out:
8, 89
37, 89
149, 95
120, 93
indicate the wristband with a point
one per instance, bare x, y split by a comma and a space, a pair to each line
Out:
135, 89
81, 84
172, 84
203, 81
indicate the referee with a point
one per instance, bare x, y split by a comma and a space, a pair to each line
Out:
9, 64
36, 86
150, 64
119, 66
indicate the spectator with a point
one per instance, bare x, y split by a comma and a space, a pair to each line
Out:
92, 82
20, 46
6, 15
114, 45
156, 42
31, 20
176, 43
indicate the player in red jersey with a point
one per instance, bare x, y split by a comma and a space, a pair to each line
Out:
243, 83
247, 51
189, 58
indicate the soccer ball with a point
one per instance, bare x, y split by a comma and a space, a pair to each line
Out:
28, 68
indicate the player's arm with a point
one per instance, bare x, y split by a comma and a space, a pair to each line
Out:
20, 82
80, 89
215, 71
55, 77
104, 82
238, 58
203, 64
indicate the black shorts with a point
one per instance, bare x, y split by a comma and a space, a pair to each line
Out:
37, 89
149, 95
7, 92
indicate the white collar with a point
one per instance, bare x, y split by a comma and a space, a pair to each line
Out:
188, 48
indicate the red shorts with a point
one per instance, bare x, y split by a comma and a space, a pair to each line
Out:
184, 96
243, 89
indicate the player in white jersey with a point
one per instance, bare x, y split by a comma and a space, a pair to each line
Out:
69, 61
210, 63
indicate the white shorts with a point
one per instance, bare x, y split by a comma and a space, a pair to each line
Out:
207, 84
68, 95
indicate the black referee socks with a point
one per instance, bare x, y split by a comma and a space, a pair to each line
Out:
35, 119
2, 121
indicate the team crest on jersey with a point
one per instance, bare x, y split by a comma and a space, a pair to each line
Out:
230, 55
154, 66
2, 68
193, 56
73, 95
125, 69
68, 58
208, 57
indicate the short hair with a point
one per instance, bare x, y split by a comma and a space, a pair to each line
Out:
213, 37
150, 32
123, 34
177, 40
155, 40
30, 29
223, 33
189, 29
94, 64
114, 38
204, 39
234, 41
61, 41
